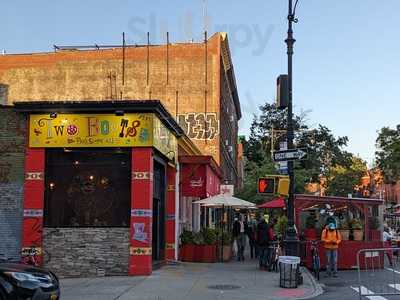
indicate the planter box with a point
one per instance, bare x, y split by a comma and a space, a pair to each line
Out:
358, 235
199, 253
310, 233
227, 253
208, 253
188, 253
344, 233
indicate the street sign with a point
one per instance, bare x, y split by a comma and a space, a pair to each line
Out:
293, 154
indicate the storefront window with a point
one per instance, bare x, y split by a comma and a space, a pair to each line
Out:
87, 187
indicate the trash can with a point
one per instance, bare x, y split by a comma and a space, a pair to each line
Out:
289, 271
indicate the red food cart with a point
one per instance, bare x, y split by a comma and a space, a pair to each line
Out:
341, 208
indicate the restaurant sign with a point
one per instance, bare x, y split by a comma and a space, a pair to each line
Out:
100, 130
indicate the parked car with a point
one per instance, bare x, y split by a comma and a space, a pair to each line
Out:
20, 281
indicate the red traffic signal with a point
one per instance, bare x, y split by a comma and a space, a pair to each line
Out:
266, 185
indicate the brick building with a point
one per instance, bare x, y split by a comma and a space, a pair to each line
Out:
196, 86
195, 82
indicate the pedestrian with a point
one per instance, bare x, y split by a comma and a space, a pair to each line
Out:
331, 239
239, 235
251, 234
263, 240
387, 243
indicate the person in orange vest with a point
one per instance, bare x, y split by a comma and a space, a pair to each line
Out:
331, 238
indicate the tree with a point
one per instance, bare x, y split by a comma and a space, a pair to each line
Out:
324, 149
253, 171
388, 153
342, 181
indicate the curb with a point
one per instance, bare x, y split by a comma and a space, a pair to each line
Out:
317, 288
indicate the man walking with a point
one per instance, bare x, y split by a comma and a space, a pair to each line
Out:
263, 239
239, 234
331, 239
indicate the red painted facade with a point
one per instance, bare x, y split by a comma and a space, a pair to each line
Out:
33, 201
140, 262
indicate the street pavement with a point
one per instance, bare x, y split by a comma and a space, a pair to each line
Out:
233, 280
346, 286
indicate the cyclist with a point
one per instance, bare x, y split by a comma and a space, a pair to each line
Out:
331, 238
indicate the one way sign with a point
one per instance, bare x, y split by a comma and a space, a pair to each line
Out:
293, 154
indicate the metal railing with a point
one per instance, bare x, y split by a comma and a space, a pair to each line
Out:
378, 272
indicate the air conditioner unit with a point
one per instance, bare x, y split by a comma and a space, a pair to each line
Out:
230, 148
226, 142
232, 119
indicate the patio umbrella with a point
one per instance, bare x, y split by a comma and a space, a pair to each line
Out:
225, 200
275, 203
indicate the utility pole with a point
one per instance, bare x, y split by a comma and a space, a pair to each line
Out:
291, 239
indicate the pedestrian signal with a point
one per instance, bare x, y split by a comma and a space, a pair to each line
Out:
283, 186
266, 185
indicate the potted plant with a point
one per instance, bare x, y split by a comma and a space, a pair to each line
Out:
374, 225
209, 249
224, 241
187, 246
280, 226
357, 227
310, 232
344, 229
198, 241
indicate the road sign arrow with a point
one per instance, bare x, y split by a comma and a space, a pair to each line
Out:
293, 154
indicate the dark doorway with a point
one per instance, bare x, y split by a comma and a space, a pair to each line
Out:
158, 213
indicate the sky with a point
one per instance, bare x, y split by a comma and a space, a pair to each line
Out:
346, 60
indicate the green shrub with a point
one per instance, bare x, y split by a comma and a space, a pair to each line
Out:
186, 237
224, 236
281, 224
198, 238
356, 224
209, 235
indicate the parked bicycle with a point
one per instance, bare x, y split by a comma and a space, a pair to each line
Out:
275, 250
316, 261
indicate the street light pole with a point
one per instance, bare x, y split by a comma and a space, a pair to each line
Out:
291, 239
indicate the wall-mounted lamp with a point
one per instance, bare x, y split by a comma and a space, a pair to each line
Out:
53, 115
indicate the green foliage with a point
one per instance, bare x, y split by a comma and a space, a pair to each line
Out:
344, 224
209, 236
281, 224
253, 171
341, 180
310, 222
324, 151
224, 237
374, 223
186, 237
198, 238
388, 153
356, 224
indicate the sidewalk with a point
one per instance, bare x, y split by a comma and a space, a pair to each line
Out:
233, 280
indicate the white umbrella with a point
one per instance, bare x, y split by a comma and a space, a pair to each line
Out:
226, 201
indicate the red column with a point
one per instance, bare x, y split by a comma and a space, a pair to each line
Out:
170, 214
140, 261
32, 238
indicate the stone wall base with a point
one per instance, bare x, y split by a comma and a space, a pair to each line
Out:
86, 252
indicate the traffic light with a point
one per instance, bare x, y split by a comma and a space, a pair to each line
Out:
266, 185
273, 184
282, 92
283, 186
